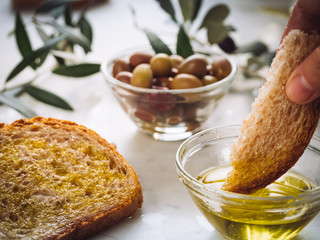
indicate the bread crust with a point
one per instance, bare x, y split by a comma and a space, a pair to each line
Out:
277, 131
62, 132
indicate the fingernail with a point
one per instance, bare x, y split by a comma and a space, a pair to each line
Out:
299, 90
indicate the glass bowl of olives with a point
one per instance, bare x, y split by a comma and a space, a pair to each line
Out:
279, 211
169, 97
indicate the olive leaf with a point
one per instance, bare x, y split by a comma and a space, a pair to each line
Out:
167, 6
80, 70
216, 32
85, 28
183, 47
47, 97
43, 35
22, 39
58, 11
256, 48
156, 43
52, 4
72, 35
217, 13
190, 9
68, 16
34, 55
16, 104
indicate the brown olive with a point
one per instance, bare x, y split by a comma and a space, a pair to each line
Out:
209, 79
184, 81
220, 67
162, 102
142, 76
161, 65
120, 65
174, 116
195, 65
145, 112
124, 76
176, 60
139, 58
162, 81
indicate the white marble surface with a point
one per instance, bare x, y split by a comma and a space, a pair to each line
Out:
167, 212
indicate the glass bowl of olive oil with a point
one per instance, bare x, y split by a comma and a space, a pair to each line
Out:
279, 211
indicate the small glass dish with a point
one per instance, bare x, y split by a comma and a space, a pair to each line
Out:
280, 211
170, 114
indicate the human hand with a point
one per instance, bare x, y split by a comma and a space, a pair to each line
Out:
303, 85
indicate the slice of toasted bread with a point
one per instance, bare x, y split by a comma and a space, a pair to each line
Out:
277, 131
61, 180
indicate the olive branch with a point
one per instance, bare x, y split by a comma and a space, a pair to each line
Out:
60, 35
217, 33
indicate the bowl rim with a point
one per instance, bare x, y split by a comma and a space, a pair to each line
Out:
231, 197
107, 63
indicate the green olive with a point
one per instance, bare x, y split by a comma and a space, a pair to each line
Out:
220, 67
195, 65
184, 81
124, 76
209, 79
120, 65
176, 60
161, 65
142, 76
139, 58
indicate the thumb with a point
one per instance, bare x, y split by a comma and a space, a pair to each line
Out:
303, 85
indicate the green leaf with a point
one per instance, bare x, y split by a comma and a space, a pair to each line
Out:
22, 39
190, 9
216, 32
52, 4
80, 70
34, 55
256, 48
43, 35
16, 104
73, 35
167, 6
47, 97
68, 16
184, 47
196, 8
86, 28
157, 44
217, 13
57, 12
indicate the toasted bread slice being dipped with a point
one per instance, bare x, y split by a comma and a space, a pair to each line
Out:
277, 131
61, 180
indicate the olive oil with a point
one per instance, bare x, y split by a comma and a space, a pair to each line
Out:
245, 218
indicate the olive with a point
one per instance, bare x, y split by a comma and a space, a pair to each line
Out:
195, 65
162, 82
161, 65
176, 60
139, 58
124, 76
184, 81
162, 102
145, 112
220, 67
142, 76
174, 116
209, 79
120, 65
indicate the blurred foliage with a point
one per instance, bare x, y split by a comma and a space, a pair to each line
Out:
218, 32
61, 33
